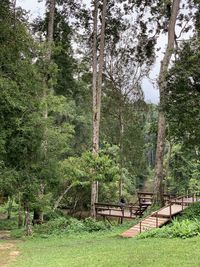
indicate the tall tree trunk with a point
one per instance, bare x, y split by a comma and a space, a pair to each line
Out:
97, 85
121, 121
38, 214
95, 141
10, 205
28, 224
20, 217
166, 165
95, 137
158, 186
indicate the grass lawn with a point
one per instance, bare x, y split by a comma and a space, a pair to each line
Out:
107, 250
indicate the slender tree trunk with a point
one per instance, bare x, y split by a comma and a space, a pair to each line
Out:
10, 204
38, 214
166, 166
28, 224
158, 186
97, 85
61, 197
95, 140
121, 121
20, 217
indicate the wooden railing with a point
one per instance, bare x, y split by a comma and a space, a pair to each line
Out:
181, 200
148, 196
129, 208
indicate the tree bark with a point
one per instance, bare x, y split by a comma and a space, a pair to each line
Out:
95, 138
158, 186
20, 217
28, 224
10, 205
95, 141
50, 28
97, 85
121, 121
49, 41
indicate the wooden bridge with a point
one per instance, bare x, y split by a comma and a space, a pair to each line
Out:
162, 216
130, 210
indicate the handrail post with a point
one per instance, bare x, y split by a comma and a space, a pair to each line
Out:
193, 198
182, 203
140, 226
156, 219
95, 206
170, 211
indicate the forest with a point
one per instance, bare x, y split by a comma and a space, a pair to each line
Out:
75, 128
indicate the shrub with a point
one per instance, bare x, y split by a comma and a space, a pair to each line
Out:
92, 225
68, 225
18, 233
192, 212
8, 224
182, 229
51, 215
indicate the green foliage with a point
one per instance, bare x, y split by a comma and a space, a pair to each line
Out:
92, 225
191, 213
183, 96
90, 167
183, 229
184, 170
51, 215
18, 233
63, 225
8, 224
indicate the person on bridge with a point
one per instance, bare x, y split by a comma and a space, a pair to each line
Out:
122, 202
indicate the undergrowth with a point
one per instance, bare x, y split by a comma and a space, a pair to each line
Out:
185, 225
70, 225
182, 229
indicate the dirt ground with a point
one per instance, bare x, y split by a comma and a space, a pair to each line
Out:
8, 250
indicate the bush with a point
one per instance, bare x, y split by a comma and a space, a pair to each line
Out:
8, 224
18, 233
92, 225
68, 225
182, 229
51, 215
192, 212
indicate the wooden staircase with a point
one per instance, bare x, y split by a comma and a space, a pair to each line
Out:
162, 216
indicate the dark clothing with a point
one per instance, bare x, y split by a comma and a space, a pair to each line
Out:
122, 202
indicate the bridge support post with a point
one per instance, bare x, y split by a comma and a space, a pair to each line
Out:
156, 219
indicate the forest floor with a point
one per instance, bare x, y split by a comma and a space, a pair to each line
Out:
8, 249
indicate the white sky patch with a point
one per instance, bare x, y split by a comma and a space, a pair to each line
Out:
34, 7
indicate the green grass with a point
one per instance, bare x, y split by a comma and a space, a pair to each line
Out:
107, 249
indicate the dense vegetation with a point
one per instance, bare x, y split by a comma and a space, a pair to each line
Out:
57, 141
